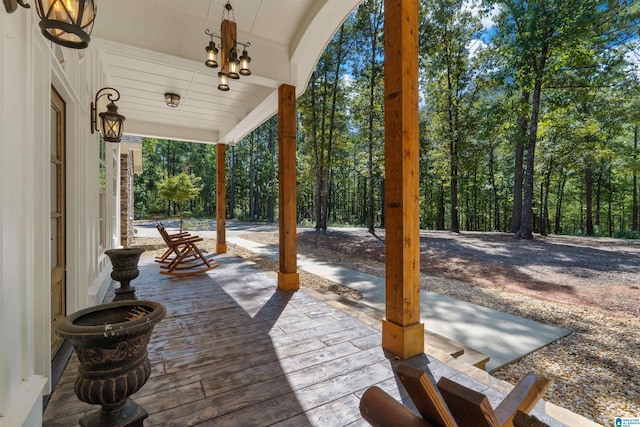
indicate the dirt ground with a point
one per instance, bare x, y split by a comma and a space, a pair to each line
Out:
603, 273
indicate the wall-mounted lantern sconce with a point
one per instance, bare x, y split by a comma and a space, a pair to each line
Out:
12, 5
67, 22
172, 99
110, 121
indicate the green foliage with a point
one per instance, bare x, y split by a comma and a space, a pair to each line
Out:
477, 104
179, 189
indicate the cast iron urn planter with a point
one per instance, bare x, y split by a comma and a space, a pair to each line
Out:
125, 269
110, 341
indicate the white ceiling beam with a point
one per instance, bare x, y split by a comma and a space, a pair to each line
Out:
267, 108
164, 131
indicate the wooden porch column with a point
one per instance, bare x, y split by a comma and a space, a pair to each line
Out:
402, 332
221, 199
288, 278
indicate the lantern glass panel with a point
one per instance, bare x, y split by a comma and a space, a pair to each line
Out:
244, 64
212, 56
233, 69
67, 22
223, 82
111, 127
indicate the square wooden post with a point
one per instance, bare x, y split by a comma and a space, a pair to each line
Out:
221, 199
288, 278
402, 332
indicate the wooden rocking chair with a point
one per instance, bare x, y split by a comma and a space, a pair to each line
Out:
169, 254
449, 404
187, 259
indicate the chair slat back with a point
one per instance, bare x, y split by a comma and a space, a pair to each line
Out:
164, 234
469, 408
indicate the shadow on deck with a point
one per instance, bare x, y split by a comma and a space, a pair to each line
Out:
233, 350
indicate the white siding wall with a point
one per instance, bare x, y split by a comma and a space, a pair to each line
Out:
29, 66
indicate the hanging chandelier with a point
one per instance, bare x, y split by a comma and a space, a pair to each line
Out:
231, 67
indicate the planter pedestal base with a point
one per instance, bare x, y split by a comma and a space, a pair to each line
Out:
129, 415
126, 293
125, 269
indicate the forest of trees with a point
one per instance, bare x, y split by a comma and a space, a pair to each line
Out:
527, 124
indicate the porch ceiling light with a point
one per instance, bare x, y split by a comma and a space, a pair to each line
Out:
12, 5
67, 22
110, 121
172, 99
230, 66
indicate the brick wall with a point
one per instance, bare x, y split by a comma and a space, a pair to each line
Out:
126, 200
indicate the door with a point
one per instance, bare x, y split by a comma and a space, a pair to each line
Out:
58, 258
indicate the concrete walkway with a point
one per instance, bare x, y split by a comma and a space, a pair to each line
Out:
503, 337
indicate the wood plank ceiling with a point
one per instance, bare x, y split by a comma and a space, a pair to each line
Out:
149, 47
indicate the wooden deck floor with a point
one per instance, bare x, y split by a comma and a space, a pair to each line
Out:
235, 351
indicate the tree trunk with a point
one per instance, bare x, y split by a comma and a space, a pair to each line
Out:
370, 221
610, 203
455, 221
334, 100
363, 213
556, 226
526, 225
322, 165
205, 191
453, 152
272, 183
544, 218
382, 215
252, 181
372, 84
441, 211
371, 207
634, 208
599, 195
354, 194
475, 199
494, 189
588, 195
518, 174
316, 154
232, 183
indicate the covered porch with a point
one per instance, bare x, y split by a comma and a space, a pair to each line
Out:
238, 347
235, 350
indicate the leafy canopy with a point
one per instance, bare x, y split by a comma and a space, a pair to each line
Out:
179, 189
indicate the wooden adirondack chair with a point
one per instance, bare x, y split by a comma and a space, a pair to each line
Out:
187, 259
449, 404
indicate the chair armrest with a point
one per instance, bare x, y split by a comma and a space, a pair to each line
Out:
381, 410
181, 241
183, 234
523, 397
